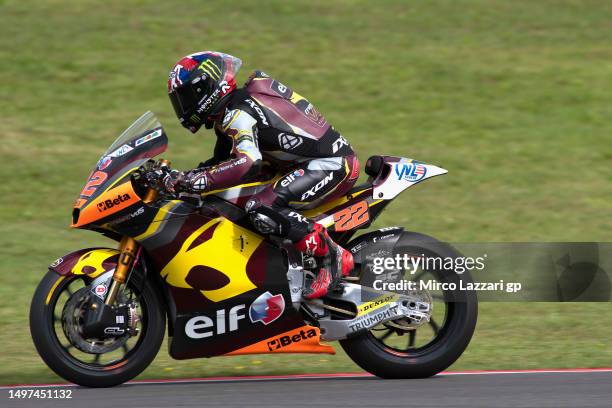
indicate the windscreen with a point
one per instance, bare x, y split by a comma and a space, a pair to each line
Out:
144, 139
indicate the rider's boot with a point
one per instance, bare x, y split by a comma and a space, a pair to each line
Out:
337, 261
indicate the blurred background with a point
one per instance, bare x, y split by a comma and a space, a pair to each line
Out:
513, 98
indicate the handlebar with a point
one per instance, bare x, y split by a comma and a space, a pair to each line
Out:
152, 193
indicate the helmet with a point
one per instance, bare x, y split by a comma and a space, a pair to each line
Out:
198, 87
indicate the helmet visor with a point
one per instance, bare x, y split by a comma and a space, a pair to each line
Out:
184, 100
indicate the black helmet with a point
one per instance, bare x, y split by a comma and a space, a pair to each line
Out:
198, 84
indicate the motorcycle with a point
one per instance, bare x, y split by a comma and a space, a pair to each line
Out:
196, 266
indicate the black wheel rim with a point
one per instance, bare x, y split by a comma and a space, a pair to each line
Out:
91, 361
423, 339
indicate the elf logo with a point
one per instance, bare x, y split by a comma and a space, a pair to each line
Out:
267, 308
108, 204
200, 327
284, 341
290, 178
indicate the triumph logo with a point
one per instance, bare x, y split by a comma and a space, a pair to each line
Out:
108, 204
284, 341
372, 319
289, 142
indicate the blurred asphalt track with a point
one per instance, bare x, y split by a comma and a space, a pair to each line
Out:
554, 388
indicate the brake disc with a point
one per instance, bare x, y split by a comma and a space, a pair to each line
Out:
73, 315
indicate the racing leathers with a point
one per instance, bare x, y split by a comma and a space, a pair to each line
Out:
265, 121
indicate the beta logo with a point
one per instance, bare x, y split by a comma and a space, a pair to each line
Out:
108, 204
410, 171
267, 308
284, 341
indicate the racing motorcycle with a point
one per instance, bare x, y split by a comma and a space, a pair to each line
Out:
195, 266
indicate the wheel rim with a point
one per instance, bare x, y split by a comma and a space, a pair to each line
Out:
118, 355
414, 342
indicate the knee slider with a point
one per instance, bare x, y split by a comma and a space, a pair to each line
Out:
264, 224
264, 219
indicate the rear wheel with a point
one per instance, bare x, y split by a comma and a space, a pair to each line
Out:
399, 349
56, 315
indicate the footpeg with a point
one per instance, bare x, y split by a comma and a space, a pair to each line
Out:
309, 263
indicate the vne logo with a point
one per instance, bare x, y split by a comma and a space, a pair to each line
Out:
410, 171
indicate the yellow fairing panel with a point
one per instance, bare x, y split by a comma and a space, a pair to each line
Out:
90, 263
228, 251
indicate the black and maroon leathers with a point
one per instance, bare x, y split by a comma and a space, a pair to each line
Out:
268, 122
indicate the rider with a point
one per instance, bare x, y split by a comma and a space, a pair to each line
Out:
265, 121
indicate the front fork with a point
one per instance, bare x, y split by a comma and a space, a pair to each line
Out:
128, 247
127, 253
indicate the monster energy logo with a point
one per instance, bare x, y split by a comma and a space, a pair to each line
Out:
211, 69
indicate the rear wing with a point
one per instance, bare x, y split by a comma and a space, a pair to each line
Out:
389, 176
402, 173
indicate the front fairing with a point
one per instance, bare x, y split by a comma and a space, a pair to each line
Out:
108, 193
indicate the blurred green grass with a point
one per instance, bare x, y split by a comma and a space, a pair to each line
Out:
513, 98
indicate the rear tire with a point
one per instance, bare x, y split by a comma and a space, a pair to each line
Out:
54, 354
453, 337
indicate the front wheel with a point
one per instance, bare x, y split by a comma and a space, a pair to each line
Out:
398, 349
56, 314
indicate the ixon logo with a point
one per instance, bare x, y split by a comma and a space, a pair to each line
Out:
108, 204
258, 110
285, 341
313, 191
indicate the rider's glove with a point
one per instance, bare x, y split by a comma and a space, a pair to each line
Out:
171, 180
139, 176
141, 179
196, 181
160, 177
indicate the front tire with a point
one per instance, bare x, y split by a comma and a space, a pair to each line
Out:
44, 329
